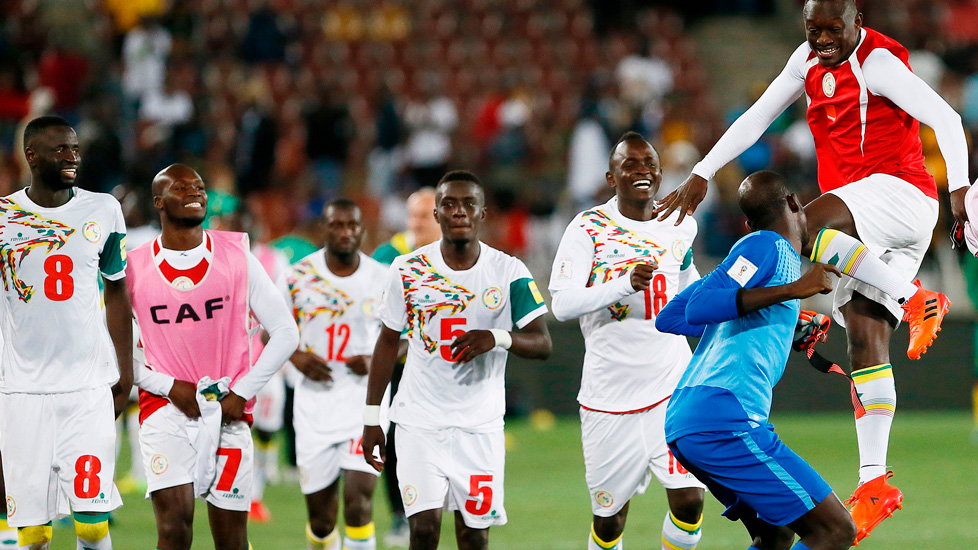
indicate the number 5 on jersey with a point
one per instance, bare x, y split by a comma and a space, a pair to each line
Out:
448, 335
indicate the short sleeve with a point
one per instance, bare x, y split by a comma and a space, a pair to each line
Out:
112, 257
526, 302
393, 308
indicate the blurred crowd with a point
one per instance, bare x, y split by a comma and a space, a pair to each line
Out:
285, 104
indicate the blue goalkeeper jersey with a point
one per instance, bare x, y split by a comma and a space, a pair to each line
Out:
740, 357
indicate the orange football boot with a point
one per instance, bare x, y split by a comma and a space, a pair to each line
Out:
259, 512
924, 311
871, 503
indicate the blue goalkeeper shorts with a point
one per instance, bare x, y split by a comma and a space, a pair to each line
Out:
753, 473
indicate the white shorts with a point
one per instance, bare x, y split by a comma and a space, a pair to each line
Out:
463, 467
58, 450
169, 459
320, 463
269, 412
622, 452
895, 221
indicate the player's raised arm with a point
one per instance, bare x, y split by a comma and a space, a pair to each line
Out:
887, 76
744, 132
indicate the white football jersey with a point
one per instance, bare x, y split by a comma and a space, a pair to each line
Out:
54, 328
338, 318
436, 304
628, 364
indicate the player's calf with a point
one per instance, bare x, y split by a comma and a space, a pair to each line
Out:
92, 531
426, 529
37, 537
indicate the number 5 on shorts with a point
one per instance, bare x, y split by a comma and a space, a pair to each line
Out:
477, 489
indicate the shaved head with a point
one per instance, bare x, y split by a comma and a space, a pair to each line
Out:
170, 174
845, 8
762, 198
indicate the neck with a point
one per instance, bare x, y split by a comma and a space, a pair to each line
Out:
179, 237
792, 234
342, 264
460, 255
47, 197
638, 210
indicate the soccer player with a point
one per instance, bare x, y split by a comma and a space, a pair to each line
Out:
865, 107
422, 229
459, 300
745, 313
192, 291
615, 269
335, 294
61, 378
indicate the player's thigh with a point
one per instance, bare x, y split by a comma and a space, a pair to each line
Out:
231, 489
616, 460
351, 458
476, 477
169, 459
422, 476
666, 468
27, 442
319, 461
753, 469
85, 451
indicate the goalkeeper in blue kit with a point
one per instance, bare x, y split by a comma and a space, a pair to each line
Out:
745, 313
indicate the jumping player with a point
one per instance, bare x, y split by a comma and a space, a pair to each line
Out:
61, 378
615, 269
745, 313
459, 300
192, 291
865, 107
335, 295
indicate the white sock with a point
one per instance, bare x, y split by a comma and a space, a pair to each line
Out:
103, 544
877, 393
594, 543
329, 542
677, 534
855, 260
360, 538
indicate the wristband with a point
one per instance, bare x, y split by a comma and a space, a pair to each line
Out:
371, 415
503, 338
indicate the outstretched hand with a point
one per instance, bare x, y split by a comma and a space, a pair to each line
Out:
685, 198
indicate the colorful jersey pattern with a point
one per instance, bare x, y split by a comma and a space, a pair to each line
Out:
51, 262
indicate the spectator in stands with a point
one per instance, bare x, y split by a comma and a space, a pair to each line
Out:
329, 133
430, 118
144, 54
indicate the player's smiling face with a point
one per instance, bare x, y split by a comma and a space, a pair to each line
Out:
832, 29
343, 230
54, 153
635, 172
460, 210
184, 200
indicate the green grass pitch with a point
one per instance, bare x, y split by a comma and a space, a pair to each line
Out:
547, 502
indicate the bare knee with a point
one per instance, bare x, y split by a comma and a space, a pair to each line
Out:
611, 527
472, 539
686, 505
425, 533
778, 538
175, 531
841, 533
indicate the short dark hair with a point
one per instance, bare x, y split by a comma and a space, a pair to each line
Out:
763, 197
40, 124
630, 135
340, 204
460, 175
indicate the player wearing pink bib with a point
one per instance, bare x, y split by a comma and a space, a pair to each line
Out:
60, 374
192, 293
865, 107
459, 301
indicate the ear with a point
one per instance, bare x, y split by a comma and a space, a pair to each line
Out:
609, 179
158, 202
793, 203
30, 156
858, 21
748, 225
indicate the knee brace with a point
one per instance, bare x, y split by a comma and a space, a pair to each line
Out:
38, 534
91, 527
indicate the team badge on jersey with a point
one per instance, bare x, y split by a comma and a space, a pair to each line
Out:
11, 506
369, 308
159, 464
678, 250
492, 297
828, 85
92, 232
182, 283
410, 495
604, 499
